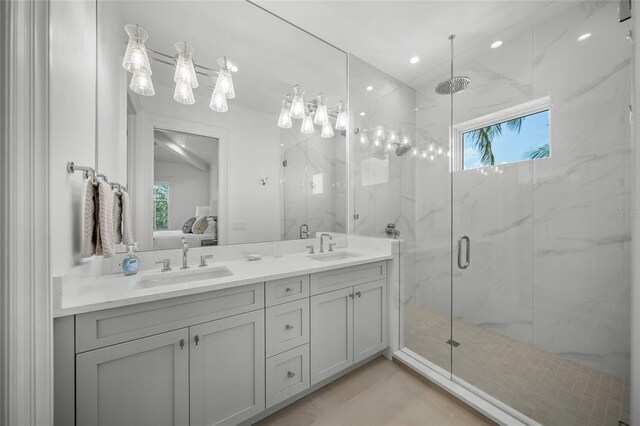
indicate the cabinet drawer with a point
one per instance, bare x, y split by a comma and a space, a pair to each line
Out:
323, 282
287, 326
286, 290
287, 374
111, 326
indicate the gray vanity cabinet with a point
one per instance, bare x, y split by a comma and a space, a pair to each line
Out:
141, 382
227, 369
331, 333
369, 319
349, 324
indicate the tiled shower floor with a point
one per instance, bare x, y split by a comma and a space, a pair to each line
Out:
546, 387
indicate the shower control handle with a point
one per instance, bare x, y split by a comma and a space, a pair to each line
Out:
468, 252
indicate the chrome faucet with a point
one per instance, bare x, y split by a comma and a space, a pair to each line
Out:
322, 241
185, 249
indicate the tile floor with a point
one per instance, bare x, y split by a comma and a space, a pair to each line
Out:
381, 392
545, 387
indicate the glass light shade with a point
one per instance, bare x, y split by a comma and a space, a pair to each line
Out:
135, 57
379, 132
364, 139
297, 105
141, 84
307, 125
224, 84
327, 130
322, 116
218, 102
284, 120
406, 140
343, 118
185, 69
184, 93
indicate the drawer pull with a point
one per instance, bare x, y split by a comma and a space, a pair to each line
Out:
351, 295
196, 339
288, 290
291, 374
288, 327
181, 344
358, 294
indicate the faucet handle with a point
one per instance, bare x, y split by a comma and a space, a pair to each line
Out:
331, 246
166, 264
311, 249
203, 260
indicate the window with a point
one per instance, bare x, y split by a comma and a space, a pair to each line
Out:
517, 134
160, 206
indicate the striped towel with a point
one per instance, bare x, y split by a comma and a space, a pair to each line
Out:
89, 229
105, 244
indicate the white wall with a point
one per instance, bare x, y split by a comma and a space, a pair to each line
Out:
635, 258
188, 188
72, 123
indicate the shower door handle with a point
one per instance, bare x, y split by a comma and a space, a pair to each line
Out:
468, 252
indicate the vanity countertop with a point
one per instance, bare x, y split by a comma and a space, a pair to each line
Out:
76, 295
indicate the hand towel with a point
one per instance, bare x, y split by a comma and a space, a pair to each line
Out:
89, 229
106, 241
127, 233
117, 217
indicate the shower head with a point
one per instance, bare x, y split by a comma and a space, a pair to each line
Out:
453, 85
402, 149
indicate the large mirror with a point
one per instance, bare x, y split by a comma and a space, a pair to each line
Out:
205, 151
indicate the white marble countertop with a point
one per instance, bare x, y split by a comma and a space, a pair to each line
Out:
75, 295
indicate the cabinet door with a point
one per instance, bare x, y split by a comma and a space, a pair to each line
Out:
142, 382
369, 319
227, 369
331, 333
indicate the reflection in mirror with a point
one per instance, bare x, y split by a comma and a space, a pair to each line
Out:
219, 72
185, 189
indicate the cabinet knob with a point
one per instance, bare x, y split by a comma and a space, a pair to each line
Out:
181, 344
290, 374
196, 339
358, 294
288, 290
288, 327
351, 295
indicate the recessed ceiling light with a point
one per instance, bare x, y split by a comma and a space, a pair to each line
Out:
281, 144
369, 88
414, 60
182, 145
362, 114
584, 36
496, 44
416, 109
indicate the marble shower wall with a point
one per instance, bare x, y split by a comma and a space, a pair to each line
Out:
551, 254
314, 182
383, 183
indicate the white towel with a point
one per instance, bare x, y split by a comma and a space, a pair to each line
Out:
127, 233
89, 229
106, 241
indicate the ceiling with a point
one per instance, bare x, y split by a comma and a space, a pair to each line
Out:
387, 34
195, 146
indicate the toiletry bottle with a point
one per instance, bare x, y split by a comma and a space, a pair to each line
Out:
130, 263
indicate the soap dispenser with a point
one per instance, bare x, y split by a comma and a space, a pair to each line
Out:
130, 263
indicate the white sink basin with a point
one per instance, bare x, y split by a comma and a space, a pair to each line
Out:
331, 256
168, 278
